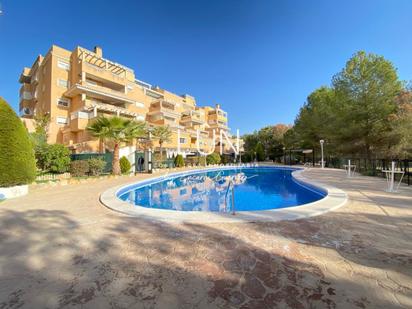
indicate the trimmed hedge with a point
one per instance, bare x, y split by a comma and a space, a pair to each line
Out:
17, 163
179, 162
125, 165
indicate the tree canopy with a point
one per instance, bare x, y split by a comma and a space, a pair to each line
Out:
364, 113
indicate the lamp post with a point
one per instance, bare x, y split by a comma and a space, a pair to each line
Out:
149, 156
321, 149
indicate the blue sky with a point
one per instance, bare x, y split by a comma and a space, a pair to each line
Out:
259, 59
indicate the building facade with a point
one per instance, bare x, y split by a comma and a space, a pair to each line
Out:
74, 87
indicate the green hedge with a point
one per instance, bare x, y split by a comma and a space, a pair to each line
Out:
17, 163
125, 165
179, 162
213, 158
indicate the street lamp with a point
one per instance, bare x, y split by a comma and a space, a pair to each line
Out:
321, 149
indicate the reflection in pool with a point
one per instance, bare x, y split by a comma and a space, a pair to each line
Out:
259, 188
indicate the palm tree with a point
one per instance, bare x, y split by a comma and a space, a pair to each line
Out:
117, 130
163, 134
137, 130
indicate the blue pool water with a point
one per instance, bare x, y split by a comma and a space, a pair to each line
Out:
258, 188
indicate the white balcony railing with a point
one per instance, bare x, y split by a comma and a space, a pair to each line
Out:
26, 95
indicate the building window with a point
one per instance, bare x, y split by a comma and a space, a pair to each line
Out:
182, 140
63, 83
63, 65
63, 102
61, 120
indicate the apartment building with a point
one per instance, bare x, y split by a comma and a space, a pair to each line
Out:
74, 87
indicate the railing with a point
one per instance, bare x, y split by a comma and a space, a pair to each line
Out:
375, 167
109, 108
231, 184
104, 89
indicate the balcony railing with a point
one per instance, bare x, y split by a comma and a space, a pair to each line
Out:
164, 108
120, 111
99, 91
26, 95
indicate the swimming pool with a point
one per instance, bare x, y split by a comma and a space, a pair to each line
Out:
254, 189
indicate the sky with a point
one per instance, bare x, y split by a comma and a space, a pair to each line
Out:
258, 59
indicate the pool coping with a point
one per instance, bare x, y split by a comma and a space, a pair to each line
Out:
334, 199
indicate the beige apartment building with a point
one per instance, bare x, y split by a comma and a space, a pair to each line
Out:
74, 87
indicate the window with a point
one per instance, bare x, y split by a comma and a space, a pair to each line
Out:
62, 83
63, 102
61, 120
182, 140
63, 65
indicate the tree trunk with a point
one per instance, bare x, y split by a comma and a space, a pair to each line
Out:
116, 162
161, 151
102, 148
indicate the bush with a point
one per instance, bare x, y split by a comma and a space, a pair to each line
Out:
17, 163
54, 158
79, 168
96, 166
125, 165
213, 158
179, 162
202, 161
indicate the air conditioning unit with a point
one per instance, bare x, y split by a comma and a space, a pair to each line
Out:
26, 111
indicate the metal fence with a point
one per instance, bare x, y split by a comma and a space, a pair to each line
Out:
375, 167
107, 157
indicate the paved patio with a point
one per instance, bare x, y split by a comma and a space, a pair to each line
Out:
60, 248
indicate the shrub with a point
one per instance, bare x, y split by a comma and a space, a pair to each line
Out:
54, 158
202, 161
79, 168
96, 166
179, 162
213, 158
17, 163
125, 165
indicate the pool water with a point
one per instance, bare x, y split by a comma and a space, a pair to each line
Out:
259, 188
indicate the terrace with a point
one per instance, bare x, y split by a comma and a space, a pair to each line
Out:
354, 256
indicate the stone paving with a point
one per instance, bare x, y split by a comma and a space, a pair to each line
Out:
60, 248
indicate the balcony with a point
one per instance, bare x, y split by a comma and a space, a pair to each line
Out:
97, 106
102, 68
27, 99
193, 133
25, 76
79, 120
218, 125
99, 92
164, 108
192, 117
